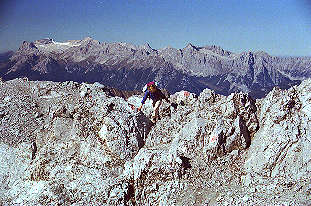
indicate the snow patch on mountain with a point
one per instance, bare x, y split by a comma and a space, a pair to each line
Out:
54, 46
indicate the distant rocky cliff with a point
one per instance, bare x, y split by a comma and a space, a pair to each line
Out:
77, 144
128, 67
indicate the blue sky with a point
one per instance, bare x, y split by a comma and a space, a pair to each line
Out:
280, 27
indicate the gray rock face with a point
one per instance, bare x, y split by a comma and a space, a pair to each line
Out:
191, 68
284, 151
124, 132
75, 144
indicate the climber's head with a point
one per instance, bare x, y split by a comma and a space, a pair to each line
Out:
151, 86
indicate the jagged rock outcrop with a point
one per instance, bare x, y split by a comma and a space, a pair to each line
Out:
281, 148
75, 144
129, 67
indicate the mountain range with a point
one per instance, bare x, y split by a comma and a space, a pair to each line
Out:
129, 67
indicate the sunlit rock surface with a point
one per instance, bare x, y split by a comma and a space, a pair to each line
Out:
77, 144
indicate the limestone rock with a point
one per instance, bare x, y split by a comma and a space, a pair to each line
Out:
58, 147
124, 132
280, 148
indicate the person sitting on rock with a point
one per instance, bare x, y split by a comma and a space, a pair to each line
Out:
156, 95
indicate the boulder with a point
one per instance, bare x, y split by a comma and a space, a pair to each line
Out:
124, 131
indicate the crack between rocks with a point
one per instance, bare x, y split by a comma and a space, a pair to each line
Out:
281, 156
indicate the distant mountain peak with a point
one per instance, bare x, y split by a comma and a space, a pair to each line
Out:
262, 53
217, 50
88, 38
147, 47
44, 41
26, 46
191, 46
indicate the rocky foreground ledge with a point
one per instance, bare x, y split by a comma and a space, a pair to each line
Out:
75, 144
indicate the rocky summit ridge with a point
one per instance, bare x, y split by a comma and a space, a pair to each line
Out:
128, 67
77, 144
